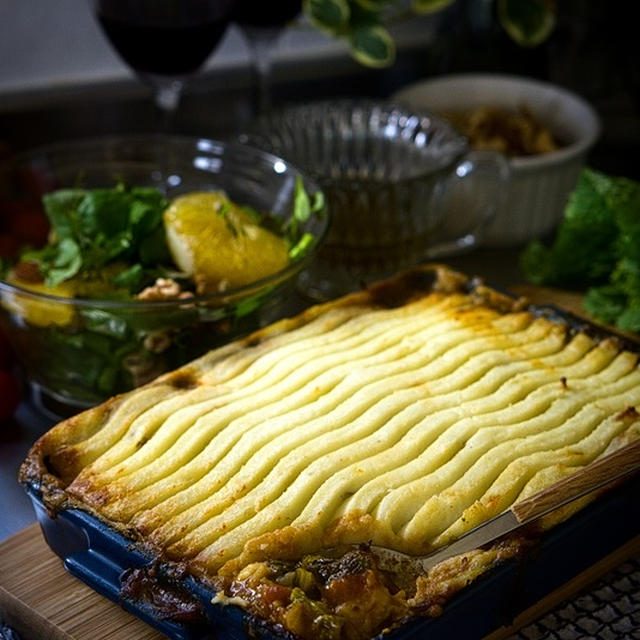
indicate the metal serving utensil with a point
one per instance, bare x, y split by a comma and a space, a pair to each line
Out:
607, 470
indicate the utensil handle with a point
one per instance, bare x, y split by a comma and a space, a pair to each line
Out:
595, 475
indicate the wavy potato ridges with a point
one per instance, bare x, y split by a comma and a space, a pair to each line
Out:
405, 416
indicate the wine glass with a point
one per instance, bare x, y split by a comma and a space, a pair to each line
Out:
262, 23
164, 42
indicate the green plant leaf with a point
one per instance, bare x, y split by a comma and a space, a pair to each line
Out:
362, 16
373, 5
105, 323
130, 278
66, 262
373, 46
629, 319
606, 302
301, 202
95, 227
62, 210
331, 16
430, 6
527, 22
596, 249
301, 247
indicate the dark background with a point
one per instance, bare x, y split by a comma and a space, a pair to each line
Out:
593, 51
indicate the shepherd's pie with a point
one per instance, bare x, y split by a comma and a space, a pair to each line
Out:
403, 416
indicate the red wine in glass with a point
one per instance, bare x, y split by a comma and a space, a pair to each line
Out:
262, 23
164, 42
257, 13
163, 50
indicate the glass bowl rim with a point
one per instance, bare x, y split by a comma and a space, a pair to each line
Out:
457, 144
222, 298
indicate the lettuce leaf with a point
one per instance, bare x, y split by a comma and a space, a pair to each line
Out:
94, 227
596, 249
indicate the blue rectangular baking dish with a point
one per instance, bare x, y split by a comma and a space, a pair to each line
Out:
100, 557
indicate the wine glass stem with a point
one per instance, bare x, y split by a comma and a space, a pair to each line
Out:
167, 98
261, 42
263, 69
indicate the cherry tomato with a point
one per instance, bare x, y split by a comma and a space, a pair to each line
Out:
9, 395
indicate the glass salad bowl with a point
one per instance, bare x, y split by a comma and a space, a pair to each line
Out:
79, 349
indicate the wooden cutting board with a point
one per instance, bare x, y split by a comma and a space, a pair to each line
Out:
44, 602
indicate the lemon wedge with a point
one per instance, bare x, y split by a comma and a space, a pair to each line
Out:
41, 312
219, 243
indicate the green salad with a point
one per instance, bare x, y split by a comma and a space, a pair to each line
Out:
142, 284
116, 238
596, 249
